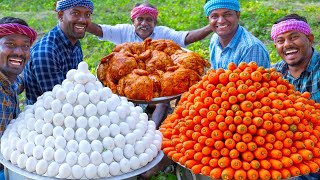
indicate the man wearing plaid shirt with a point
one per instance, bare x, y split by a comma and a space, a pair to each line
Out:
59, 50
301, 62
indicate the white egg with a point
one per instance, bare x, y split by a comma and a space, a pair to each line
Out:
84, 147
57, 131
150, 154
83, 99
72, 146
112, 103
82, 122
81, 134
67, 109
79, 88
48, 116
98, 85
114, 130
14, 156
138, 109
93, 121
61, 94
69, 122
64, 170
67, 85
120, 141
49, 142
139, 147
108, 143
83, 66
31, 164
138, 133
28, 148
107, 156
124, 165
96, 145
89, 87
158, 137
91, 110
47, 129
151, 125
78, 110
41, 167
143, 158
30, 124
142, 127
95, 158
56, 106
58, 119
130, 138
102, 107
39, 140
81, 78
38, 104
94, 96
124, 128
134, 163
38, 152
117, 154
22, 159
77, 172
38, 125
103, 170
92, 78
71, 96
70, 74
157, 143
39, 112
47, 102
104, 120
68, 134
14, 141
128, 151
83, 159
104, 131
114, 169
93, 134
60, 142
60, 155
20, 145
147, 140
154, 149
122, 112
53, 169
48, 154
71, 158
135, 115
91, 171
131, 122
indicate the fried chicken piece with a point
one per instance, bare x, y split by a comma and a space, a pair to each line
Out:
156, 80
165, 45
178, 81
136, 85
159, 61
190, 60
119, 64
131, 47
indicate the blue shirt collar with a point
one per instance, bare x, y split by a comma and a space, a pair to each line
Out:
313, 61
64, 38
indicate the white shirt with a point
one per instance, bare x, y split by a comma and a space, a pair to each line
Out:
122, 33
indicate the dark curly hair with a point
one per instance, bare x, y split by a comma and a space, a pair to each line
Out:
9, 19
291, 16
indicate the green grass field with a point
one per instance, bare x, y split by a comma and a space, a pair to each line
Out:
256, 15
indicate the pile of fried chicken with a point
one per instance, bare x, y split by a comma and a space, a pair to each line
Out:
150, 69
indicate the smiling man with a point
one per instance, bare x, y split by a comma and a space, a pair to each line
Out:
59, 50
16, 38
301, 63
231, 42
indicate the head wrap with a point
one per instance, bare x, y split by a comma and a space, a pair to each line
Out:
289, 25
67, 4
218, 4
16, 28
144, 10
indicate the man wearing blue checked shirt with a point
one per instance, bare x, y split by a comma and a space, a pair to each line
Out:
301, 62
59, 50
231, 42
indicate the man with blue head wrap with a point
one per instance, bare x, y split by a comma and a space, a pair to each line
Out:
59, 50
232, 42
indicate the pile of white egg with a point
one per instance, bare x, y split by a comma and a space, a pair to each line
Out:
80, 130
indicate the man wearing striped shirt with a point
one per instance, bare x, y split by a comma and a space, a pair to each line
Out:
232, 42
301, 62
